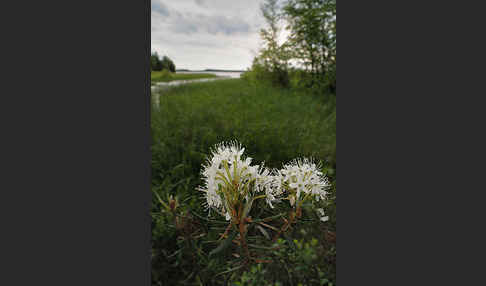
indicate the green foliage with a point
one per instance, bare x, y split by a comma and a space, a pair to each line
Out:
275, 125
311, 45
254, 277
272, 63
261, 73
303, 261
167, 64
312, 27
156, 64
296, 262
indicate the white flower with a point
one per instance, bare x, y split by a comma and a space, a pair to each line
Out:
324, 218
219, 171
304, 177
321, 215
269, 182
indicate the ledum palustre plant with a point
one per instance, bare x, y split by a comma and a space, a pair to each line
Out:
232, 185
301, 180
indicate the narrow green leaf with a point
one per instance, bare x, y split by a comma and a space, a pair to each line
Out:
161, 201
269, 218
229, 270
263, 231
225, 244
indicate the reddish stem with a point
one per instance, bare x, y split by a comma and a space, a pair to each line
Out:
288, 223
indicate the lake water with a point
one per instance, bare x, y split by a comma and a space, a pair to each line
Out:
223, 74
220, 75
159, 86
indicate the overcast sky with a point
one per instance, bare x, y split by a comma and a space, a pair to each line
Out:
200, 34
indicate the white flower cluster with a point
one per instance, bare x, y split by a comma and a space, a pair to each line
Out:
303, 176
226, 168
228, 176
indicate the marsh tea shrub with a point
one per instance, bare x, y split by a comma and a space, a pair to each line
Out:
248, 233
232, 184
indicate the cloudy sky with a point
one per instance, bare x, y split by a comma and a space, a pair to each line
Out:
200, 34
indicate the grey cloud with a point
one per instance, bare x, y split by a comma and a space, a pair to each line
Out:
200, 2
199, 34
184, 27
189, 23
160, 8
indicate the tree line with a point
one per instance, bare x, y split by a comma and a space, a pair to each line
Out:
158, 64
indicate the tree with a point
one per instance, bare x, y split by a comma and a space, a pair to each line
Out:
165, 64
168, 64
273, 57
312, 26
311, 44
155, 63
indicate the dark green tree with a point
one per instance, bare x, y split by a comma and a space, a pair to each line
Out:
155, 63
312, 27
273, 57
311, 44
168, 64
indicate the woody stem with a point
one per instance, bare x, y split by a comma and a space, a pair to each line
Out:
226, 231
243, 240
285, 226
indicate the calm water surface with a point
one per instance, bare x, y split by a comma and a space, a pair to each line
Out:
163, 85
223, 74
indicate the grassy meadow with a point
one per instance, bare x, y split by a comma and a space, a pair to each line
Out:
165, 76
275, 126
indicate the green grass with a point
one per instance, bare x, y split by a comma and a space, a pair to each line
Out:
274, 125
162, 76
